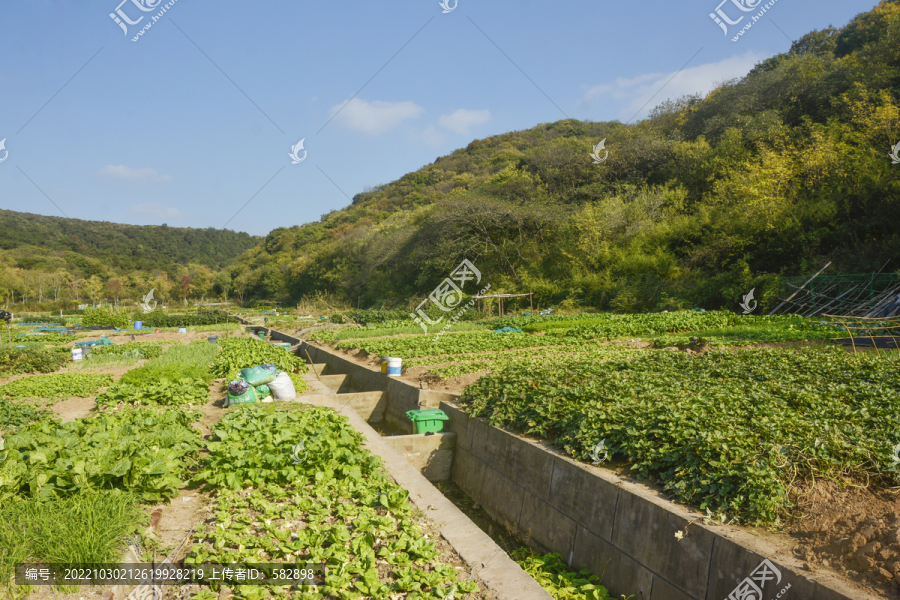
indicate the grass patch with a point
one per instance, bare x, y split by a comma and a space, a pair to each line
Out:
86, 528
190, 361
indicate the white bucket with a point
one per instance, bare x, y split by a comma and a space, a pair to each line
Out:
76, 354
394, 366
182, 330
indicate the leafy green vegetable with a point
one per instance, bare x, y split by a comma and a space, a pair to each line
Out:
727, 431
295, 485
238, 353
16, 414
57, 385
166, 392
141, 450
551, 572
32, 360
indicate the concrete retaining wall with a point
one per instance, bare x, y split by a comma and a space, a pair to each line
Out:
432, 455
621, 530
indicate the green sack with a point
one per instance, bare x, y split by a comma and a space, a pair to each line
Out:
262, 391
258, 375
248, 396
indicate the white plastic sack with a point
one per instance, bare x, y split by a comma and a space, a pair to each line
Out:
282, 387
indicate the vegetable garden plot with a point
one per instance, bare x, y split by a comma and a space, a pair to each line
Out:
143, 451
727, 431
32, 360
295, 486
57, 385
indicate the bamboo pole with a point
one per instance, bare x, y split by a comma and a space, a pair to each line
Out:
774, 310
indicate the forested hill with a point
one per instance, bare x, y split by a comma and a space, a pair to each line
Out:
773, 174
42, 243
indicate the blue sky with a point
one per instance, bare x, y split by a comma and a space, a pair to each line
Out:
197, 118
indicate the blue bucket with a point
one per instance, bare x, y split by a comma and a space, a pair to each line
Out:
138, 324
182, 330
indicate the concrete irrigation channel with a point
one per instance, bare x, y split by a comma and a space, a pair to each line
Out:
625, 532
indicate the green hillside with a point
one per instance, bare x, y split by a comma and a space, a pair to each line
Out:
775, 173
52, 258
116, 245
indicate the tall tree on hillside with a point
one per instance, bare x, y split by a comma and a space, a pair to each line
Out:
93, 287
242, 283
115, 289
163, 285
223, 282
185, 287
201, 281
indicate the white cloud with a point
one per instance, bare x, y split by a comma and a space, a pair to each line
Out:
430, 136
130, 174
461, 120
634, 93
374, 117
163, 213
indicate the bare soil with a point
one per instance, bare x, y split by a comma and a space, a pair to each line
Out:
852, 529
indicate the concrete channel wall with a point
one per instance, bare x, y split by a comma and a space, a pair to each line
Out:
621, 530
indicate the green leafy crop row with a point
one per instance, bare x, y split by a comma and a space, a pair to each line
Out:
178, 377
57, 385
433, 345
296, 486
136, 349
551, 572
32, 360
238, 353
727, 431
16, 414
142, 450
166, 392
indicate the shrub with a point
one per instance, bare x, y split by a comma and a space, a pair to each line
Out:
160, 319
106, 317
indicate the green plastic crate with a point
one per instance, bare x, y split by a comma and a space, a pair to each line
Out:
427, 420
